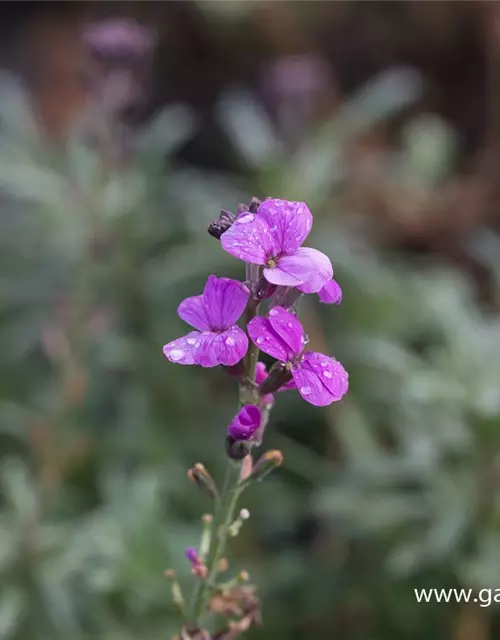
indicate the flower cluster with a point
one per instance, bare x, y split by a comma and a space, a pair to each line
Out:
268, 236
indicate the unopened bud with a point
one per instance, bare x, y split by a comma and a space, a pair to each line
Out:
244, 514
169, 574
207, 518
264, 289
217, 227
223, 565
278, 376
269, 461
236, 449
200, 476
243, 576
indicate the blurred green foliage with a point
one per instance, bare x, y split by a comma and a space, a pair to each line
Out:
391, 489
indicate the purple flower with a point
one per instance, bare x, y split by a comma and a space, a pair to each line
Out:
331, 293
245, 423
218, 339
320, 379
119, 37
272, 237
192, 555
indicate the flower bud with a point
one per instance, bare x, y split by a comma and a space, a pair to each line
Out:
264, 289
245, 423
200, 476
217, 227
236, 449
278, 376
269, 461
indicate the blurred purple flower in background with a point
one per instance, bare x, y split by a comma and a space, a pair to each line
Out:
218, 339
320, 379
272, 237
119, 37
245, 423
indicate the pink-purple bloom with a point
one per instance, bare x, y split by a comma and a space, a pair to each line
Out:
320, 379
214, 314
119, 37
331, 293
273, 237
245, 423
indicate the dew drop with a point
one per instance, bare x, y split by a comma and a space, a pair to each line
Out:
260, 340
305, 390
176, 354
230, 341
245, 219
191, 340
273, 312
289, 324
327, 374
324, 363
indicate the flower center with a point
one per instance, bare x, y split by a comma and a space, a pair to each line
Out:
272, 262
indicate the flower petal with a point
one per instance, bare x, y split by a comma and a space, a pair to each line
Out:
288, 328
249, 239
289, 222
192, 311
311, 388
307, 269
331, 373
245, 423
331, 293
224, 300
268, 341
181, 351
226, 348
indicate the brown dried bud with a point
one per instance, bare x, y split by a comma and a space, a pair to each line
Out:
217, 227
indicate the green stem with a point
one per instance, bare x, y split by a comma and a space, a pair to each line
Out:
224, 513
223, 520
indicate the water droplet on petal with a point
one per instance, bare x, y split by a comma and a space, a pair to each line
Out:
260, 340
230, 341
245, 219
191, 340
289, 324
273, 312
324, 363
176, 354
305, 390
327, 374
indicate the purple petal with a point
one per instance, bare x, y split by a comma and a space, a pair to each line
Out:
245, 423
289, 222
249, 239
331, 293
225, 301
320, 379
260, 372
226, 348
268, 341
181, 351
308, 269
288, 328
192, 311
311, 388
331, 373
